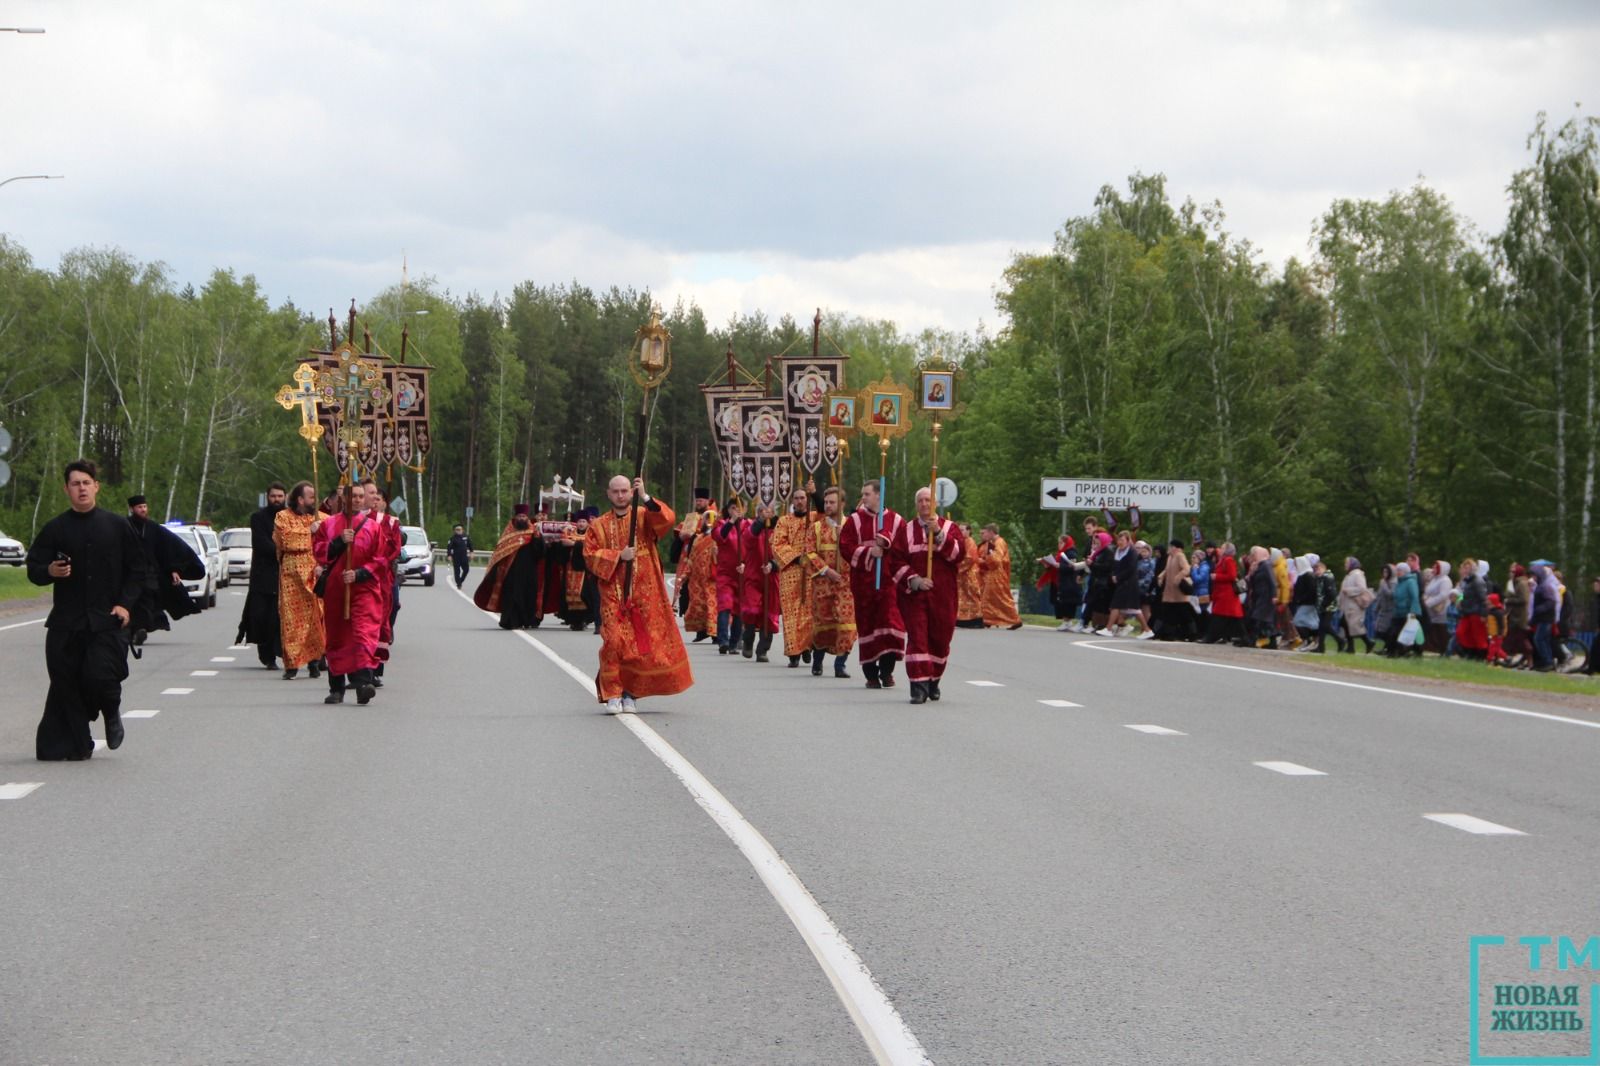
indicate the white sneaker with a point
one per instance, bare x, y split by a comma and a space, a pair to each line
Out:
1065, 627
613, 706
628, 706
1102, 632
1146, 635
1123, 631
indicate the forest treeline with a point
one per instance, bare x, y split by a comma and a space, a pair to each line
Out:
1411, 384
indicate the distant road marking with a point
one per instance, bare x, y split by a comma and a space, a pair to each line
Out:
1293, 769
1095, 645
15, 790
19, 625
176, 691
888, 1037
1468, 824
140, 714
238, 647
222, 658
986, 684
202, 673
1060, 703
1156, 730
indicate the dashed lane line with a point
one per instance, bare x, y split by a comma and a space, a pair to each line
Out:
887, 1036
1292, 769
202, 673
222, 658
1060, 703
1469, 824
1156, 730
140, 714
176, 691
986, 684
15, 790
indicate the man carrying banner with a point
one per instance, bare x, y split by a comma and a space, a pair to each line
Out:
863, 544
759, 604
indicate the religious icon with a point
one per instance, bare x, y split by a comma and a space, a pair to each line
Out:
764, 429
938, 390
809, 388
885, 409
841, 412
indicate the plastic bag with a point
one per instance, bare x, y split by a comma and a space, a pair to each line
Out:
1411, 633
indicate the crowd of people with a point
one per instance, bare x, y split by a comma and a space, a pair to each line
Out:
1271, 598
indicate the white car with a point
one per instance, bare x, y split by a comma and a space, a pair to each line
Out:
11, 551
416, 556
236, 554
205, 544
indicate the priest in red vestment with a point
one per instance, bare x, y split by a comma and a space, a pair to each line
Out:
928, 601
352, 550
641, 651
760, 606
729, 537
863, 545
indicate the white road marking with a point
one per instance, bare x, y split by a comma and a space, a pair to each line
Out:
19, 625
1293, 769
202, 673
1095, 645
888, 1037
986, 684
176, 691
1060, 703
222, 658
99, 745
140, 714
1468, 824
15, 790
238, 647
1157, 730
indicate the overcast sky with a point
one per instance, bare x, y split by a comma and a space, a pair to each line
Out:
878, 159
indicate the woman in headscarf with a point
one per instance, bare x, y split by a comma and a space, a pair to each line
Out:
1327, 605
1354, 598
1407, 605
1383, 606
1126, 598
1227, 612
1518, 602
1283, 593
1097, 601
1436, 599
1263, 598
1472, 632
1304, 620
1177, 617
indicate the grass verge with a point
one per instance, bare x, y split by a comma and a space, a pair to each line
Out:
1458, 671
14, 585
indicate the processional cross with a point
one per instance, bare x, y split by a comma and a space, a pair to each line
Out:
307, 398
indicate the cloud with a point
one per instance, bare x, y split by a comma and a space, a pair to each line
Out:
870, 158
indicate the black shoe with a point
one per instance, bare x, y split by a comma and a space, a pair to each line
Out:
749, 652
763, 658
873, 682
816, 666
919, 694
334, 697
315, 669
805, 656
364, 693
291, 673
377, 682
1017, 626
698, 637
886, 680
114, 731
933, 691
840, 671
722, 649
794, 661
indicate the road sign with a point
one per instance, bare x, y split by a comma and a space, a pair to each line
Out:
397, 506
944, 492
1094, 494
469, 512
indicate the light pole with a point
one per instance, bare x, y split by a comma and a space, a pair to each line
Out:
27, 177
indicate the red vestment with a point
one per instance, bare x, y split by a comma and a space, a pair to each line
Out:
641, 651
879, 628
930, 615
759, 602
730, 536
353, 642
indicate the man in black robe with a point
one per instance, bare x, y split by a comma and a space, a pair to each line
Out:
94, 560
168, 560
510, 585
258, 624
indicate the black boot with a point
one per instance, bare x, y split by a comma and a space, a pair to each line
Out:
698, 637
805, 656
886, 671
315, 668
750, 644
290, 673
114, 731
335, 689
794, 662
816, 663
870, 672
364, 688
933, 690
919, 692
839, 662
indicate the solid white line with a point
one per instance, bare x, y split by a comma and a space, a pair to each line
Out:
202, 673
15, 790
222, 658
888, 1037
1099, 646
19, 625
140, 714
1060, 703
986, 684
1293, 769
176, 691
1468, 824
1156, 730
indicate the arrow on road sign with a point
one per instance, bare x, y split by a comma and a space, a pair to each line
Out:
1055, 494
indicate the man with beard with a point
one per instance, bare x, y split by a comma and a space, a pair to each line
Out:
94, 560
299, 607
641, 653
863, 544
258, 624
994, 570
833, 609
928, 595
168, 559
794, 576
583, 597
697, 567
511, 583
352, 551
394, 539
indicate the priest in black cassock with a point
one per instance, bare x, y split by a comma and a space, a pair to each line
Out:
510, 584
93, 559
168, 560
258, 624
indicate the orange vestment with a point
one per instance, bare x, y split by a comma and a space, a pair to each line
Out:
833, 608
969, 604
700, 571
994, 568
794, 581
641, 651
299, 608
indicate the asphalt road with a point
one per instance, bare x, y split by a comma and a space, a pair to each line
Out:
481, 867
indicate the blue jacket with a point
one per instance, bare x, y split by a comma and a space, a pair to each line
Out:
1407, 597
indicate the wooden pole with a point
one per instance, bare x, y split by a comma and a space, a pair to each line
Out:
933, 496
883, 477
633, 514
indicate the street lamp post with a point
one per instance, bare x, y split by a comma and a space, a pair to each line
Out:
28, 177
